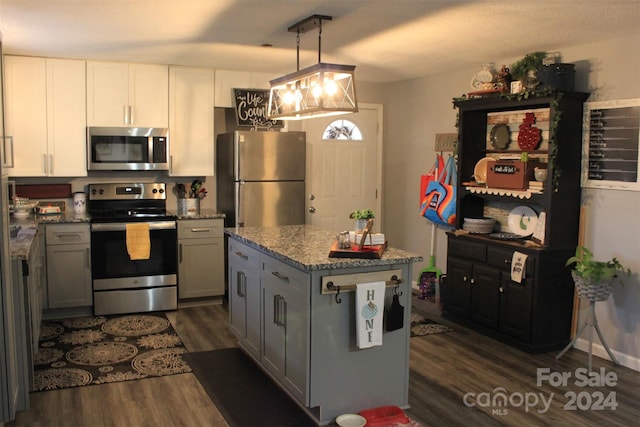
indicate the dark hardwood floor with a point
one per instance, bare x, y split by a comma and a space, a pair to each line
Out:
444, 369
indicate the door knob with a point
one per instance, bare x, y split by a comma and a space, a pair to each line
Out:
312, 209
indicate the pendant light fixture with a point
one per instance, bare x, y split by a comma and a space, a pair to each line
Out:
316, 91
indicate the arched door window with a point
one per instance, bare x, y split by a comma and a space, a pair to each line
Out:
342, 130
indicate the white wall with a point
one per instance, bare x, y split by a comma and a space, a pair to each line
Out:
418, 109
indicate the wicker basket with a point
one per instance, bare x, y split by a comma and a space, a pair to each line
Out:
592, 291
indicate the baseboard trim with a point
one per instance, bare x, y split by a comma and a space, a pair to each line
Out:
598, 350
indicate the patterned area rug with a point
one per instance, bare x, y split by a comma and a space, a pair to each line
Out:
421, 326
105, 349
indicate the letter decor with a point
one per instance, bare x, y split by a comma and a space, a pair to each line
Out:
251, 109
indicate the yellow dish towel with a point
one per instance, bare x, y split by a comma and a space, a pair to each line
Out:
138, 241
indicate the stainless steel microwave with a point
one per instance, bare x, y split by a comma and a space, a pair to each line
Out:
122, 148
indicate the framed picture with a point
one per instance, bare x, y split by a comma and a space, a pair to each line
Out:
610, 144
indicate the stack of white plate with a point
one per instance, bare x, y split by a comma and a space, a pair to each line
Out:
479, 225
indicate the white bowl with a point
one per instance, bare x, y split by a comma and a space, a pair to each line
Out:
540, 174
351, 420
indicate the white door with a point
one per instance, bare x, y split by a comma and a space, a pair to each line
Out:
344, 174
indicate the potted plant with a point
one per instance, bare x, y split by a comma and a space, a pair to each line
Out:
361, 216
526, 69
594, 279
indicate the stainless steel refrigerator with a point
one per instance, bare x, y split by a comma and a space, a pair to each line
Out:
261, 178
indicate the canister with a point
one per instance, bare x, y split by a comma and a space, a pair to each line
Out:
80, 203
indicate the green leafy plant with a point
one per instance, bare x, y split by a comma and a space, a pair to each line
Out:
595, 271
531, 61
362, 214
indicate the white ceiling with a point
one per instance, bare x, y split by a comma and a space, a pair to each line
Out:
387, 40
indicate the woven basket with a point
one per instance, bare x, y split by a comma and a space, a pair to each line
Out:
592, 291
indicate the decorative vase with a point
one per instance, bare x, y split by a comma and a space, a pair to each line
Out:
360, 225
598, 291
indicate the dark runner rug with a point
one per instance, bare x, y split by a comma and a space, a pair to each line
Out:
105, 349
421, 326
242, 392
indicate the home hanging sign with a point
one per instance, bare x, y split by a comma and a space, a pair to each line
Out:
251, 109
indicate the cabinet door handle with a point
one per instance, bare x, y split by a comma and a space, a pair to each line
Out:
240, 284
50, 164
472, 281
89, 258
280, 276
180, 253
241, 255
465, 278
507, 261
125, 114
130, 115
279, 310
45, 164
7, 155
501, 289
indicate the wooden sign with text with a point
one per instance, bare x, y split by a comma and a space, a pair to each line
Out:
251, 109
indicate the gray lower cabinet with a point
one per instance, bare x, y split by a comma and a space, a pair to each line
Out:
68, 266
285, 323
244, 296
269, 314
200, 258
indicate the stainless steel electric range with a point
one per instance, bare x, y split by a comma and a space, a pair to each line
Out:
122, 283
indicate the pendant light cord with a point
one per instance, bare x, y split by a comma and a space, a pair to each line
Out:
298, 50
319, 39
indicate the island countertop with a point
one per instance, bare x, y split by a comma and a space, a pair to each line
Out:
307, 247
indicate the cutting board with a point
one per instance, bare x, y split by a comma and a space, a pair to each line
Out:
367, 252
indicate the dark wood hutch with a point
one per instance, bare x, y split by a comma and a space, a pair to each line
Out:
535, 314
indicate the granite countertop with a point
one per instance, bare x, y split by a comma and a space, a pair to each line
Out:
23, 230
307, 247
204, 214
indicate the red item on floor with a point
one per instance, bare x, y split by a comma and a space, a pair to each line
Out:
384, 416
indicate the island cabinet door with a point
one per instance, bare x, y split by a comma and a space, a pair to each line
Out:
285, 322
244, 296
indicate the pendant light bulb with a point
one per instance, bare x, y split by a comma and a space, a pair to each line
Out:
330, 87
316, 91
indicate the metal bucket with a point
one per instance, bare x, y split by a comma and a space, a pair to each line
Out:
188, 207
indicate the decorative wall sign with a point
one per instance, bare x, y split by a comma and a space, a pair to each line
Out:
251, 109
610, 144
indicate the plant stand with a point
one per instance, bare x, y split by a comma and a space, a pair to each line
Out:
592, 321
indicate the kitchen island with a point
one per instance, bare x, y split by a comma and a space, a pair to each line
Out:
287, 315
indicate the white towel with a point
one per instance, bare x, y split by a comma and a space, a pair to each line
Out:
369, 312
518, 263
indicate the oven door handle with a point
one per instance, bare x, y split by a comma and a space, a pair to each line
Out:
122, 226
